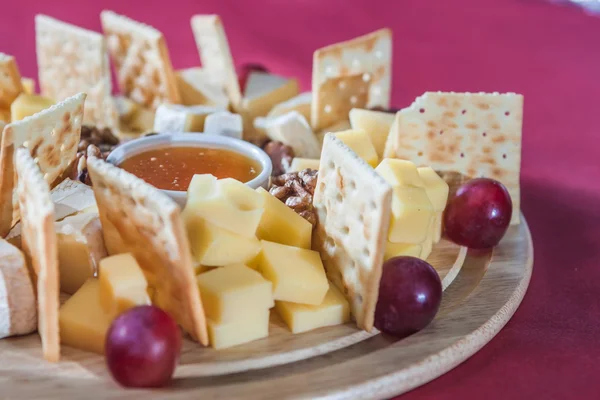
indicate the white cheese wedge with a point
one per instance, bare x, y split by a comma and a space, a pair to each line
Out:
174, 118
18, 314
300, 103
293, 130
224, 123
197, 88
69, 197
261, 83
80, 249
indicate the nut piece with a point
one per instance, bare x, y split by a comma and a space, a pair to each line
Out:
296, 190
104, 139
281, 156
80, 172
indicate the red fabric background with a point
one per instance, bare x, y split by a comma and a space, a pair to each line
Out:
551, 54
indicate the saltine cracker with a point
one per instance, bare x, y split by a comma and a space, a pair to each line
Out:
72, 60
369, 56
215, 55
39, 243
137, 218
475, 134
52, 137
10, 80
141, 58
353, 205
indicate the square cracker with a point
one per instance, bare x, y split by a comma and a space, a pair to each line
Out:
72, 60
369, 56
10, 80
474, 134
52, 137
353, 205
40, 246
215, 55
137, 218
141, 59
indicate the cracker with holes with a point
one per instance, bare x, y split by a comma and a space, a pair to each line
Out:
137, 218
39, 244
72, 60
475, 134
215, 55
368, 56
353, 204
10, 80
139, 53
52, 137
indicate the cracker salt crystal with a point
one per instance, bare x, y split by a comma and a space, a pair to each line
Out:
354, 205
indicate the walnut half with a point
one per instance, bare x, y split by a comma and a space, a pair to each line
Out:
296, 190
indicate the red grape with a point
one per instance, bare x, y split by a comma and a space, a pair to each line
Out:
479, 214
245, 70
410, 293
142, 347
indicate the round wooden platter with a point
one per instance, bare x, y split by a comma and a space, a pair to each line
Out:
482, 291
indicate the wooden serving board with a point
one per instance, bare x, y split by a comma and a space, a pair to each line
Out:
482, 291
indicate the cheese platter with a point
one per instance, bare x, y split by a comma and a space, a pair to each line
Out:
215, 232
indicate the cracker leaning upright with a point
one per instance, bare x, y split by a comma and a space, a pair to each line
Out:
367, 57
72, 60
137, 218
215, 55
10, 80
52, 137
40, 246
475, 134
141, 59
353, 204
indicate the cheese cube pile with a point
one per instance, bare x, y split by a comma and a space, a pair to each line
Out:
418, 201
85, 317
360, 142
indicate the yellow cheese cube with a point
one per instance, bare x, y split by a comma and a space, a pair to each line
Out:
426, 247
297, 274
28, 85
281, 224
334, 310
213, 246
141, 121
80, 249
83, 323
229, 292
399, 173
226, 203
360, 142
299, 164
122, 284
411, 215
377, 124
247, 327
26, 105
437, 226
402, 249
436, 188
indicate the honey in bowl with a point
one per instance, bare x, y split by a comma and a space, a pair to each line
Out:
172, 168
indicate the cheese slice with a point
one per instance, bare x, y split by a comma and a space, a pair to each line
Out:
377, 124
299, 164
69, 197
174, 118
246, 328
333, 310
360, 142
26, 105
28, 85
300, 103
280, 224
293, 129
83, 323
231, 291
297, 274
122, 284
80, 249
224, 123
197, 88
18, 315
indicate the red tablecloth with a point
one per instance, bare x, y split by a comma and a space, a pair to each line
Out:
551, 54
